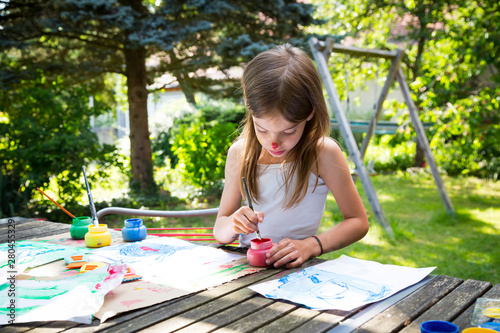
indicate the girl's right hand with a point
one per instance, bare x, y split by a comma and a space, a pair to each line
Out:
245, 220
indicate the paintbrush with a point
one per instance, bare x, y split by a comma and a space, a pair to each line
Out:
91, 201
64, 210
250, 203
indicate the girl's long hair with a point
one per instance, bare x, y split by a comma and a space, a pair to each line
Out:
283, 81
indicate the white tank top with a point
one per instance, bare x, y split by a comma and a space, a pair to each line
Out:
298, 222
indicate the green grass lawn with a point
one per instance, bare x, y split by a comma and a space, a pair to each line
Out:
466, 246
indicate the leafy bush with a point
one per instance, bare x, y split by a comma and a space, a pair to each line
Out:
468, 136
197, 144
464, 138
201, 149
45, 132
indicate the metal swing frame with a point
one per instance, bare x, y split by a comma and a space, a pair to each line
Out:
321, 52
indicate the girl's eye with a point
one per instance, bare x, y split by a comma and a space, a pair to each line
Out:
290, 133
260, 131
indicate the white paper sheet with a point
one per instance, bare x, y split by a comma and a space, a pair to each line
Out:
74, 298
32, 254
342, 284
170, 261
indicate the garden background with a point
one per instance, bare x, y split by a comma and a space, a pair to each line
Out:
70, 67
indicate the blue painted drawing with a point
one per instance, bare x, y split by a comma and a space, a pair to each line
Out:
152, 249
343, 284
140, 251
318, 288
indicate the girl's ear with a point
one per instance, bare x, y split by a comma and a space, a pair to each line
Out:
310, 116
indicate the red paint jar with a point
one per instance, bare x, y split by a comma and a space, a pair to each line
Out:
256, 254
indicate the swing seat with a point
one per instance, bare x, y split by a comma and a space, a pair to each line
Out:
383, 127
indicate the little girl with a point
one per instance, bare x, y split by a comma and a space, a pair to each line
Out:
289, 163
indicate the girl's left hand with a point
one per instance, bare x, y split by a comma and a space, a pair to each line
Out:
293, 253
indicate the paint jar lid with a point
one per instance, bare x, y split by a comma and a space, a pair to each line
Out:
82, 220
131, 223
438, 326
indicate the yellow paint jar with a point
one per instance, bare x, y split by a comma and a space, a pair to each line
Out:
98, 236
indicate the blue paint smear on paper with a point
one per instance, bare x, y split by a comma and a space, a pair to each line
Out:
151, 249
318, 288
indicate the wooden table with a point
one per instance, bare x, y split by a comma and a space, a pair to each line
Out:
232, 307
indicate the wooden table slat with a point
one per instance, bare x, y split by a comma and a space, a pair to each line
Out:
290, 321
258, 318
143, 318
229, 316
199, 314
319, 324
21, 327
451, 305
207, 309
33, 229
406, 310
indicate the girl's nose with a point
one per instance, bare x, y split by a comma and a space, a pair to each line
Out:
274, 145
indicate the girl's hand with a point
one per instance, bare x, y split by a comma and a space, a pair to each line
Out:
293, 253
244, 220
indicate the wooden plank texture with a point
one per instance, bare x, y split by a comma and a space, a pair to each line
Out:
394, 318
223, 318
129, 322
199, 314
290, 321
319, 324
258, 318
449, 307
214, 306
35, 229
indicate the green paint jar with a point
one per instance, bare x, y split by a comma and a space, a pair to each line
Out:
80, 227
98, 236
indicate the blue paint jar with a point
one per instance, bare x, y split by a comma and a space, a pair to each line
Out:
134, 230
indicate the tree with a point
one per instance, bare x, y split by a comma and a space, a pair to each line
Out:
86, 39
45, 132
451, 57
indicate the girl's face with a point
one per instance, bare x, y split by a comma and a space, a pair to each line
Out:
277, 135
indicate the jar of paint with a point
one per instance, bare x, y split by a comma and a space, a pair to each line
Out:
438, 326
80, 227
256, 254
134, 230
98, 236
